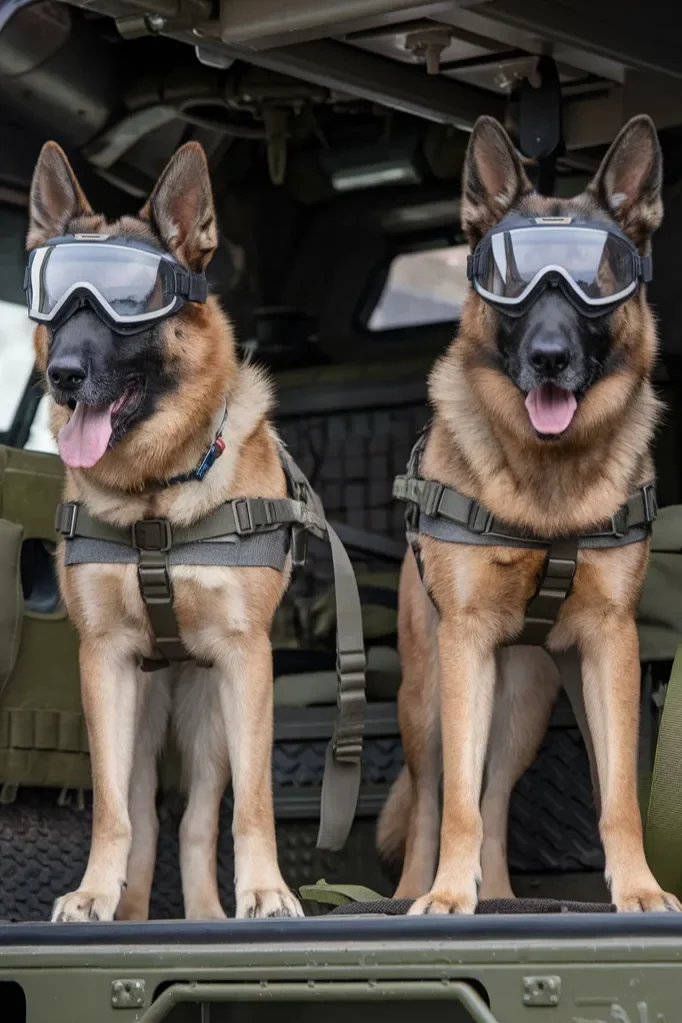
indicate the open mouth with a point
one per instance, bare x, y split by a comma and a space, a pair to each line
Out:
92, 429
551, 409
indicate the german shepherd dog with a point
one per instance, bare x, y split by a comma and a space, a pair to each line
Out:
166, 389
463, 704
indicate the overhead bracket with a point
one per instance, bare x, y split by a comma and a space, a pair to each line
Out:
541, 136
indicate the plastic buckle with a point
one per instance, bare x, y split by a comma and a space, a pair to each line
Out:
480, 520
650, 502
430, 505
299, 546
152, 535
619, 523
243, 518
65, 520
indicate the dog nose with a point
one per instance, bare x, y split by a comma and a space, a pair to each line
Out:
549, 355
67, 373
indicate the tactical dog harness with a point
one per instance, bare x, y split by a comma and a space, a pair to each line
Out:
245, 532
446, 514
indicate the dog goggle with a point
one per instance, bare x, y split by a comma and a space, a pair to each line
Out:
594, 264
129, 285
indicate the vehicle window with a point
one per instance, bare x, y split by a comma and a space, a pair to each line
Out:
16, 358
16, 330
421, 288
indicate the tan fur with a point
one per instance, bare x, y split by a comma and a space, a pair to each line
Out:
473, 598
222, 715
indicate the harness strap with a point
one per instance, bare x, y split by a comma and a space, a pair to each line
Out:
438, 501
460, 519
242, 516
343, 759
555, 582
303, 513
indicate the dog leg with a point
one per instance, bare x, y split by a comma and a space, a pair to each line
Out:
201, 735
409, 824
247, 701
111, 700
134, 904
527, 690
611, 681
467, 688
418, 712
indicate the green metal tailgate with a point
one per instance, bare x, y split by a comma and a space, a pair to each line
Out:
555, 968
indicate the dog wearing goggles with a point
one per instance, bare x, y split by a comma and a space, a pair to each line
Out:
143, 376
544, 413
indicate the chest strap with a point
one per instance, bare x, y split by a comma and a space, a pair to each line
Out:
243, 517
446, 514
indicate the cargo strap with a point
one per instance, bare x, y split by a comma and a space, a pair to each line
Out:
337, 894
243, 517
663, 832
446, 514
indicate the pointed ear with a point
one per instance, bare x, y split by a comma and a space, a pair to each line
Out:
56, 197
181, 208
628, 183
493, 178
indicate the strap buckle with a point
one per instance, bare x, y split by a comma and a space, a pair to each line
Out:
480, 519
432, 494
243, 516
152, 535
650, 502
65, 519
352, 701
299, 546
619, 522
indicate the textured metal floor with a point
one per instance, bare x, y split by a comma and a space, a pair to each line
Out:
553, 831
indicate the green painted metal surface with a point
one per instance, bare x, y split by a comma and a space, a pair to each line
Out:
567, 970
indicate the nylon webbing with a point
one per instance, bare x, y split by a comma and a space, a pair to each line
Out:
555, 582
438, 501
337, 894
243, 517
157, 593
663, 832
343, 759
434, 509
43, 730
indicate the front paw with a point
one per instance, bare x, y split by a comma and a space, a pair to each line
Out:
440, 902
82, 906
646, 899
258, 903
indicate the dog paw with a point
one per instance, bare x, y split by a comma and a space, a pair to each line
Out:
258, 903
84, 906
443, 903
646, 900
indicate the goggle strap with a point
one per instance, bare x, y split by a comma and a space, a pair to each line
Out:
646, 268
190, 285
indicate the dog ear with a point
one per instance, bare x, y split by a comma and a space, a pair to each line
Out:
181, 208
628, 183
56, 197
493, 178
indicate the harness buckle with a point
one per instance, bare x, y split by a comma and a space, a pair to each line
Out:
152, 535
619, 523
351, 701
299, 546
243, 516
650, 502
65, 520
431, 497
480, 519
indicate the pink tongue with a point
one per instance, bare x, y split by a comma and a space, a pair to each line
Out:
550, 408
84, 439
